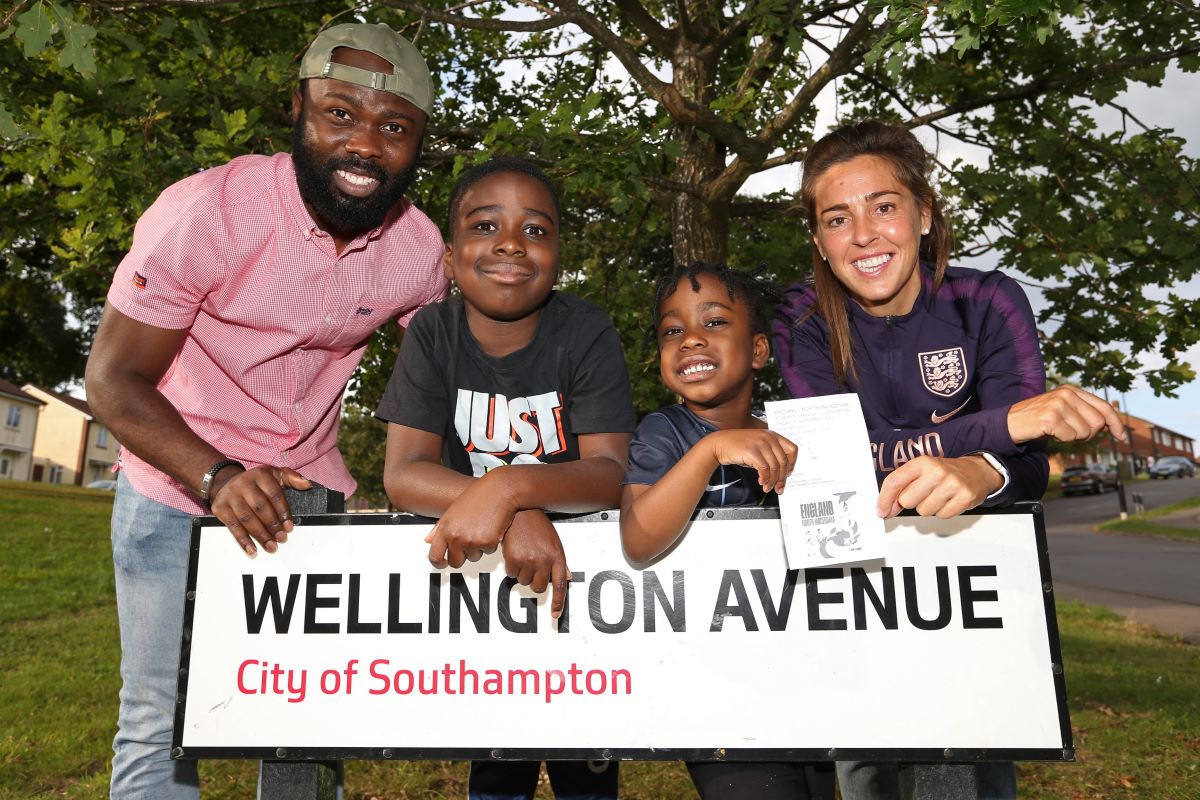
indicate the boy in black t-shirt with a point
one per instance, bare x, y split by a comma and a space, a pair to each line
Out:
711, 450
509, 374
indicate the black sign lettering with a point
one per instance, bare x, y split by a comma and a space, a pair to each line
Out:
731, 581
313, 602
861, 589
912, 604
281, 610
652, 590
816, 598
970, 596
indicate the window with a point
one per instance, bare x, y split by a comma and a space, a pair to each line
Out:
56, 474
5, 468
14, 416
102, 437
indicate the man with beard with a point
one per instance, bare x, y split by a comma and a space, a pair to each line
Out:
231, 329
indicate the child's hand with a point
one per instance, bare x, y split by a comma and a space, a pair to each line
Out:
757, 448
473, 524
533, 555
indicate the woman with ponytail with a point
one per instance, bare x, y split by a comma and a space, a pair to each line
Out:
945, 360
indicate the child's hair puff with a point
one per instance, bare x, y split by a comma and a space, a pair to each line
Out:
759, 293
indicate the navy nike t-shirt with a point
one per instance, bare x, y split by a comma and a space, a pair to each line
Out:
664, 436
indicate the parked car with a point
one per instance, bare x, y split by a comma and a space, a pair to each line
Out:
108, 486
1090, 478
1173, 467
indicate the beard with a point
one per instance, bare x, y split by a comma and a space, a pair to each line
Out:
338, 213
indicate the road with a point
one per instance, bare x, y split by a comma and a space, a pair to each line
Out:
1147, 579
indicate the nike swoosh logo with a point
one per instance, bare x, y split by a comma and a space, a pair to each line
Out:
938, 419
722, 486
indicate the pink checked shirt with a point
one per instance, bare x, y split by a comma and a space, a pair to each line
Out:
277, 321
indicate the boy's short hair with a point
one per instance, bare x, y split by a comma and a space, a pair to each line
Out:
494, 166
759, 293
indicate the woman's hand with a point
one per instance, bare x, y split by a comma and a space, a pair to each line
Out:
938, 487
1067, 414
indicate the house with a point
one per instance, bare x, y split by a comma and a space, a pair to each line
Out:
20, 412
72, 446
1148, 442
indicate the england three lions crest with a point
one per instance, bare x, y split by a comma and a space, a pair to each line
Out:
943, 372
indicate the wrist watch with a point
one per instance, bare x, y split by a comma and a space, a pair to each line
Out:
206, 481
997, 465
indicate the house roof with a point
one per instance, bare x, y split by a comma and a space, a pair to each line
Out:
74, 402
12, 390
1125, 415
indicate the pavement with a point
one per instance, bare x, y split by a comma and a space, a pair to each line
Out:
1147, 579
1187, 518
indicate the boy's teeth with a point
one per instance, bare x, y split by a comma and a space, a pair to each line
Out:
872, 263
694, 368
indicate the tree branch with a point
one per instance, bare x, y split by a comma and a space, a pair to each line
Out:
840, 61
680, 108
762, 59
122, 5
1048, 84
783, 159
478, 23
697, 27
662, 38
1119, 163
13, 12
843, 57
735, 28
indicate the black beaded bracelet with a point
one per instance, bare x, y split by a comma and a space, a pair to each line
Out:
206, 481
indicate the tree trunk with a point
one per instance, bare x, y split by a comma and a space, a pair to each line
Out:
699, 226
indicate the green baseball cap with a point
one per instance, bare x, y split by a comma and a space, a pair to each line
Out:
410, 77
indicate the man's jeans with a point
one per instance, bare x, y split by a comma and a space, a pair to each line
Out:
150, 557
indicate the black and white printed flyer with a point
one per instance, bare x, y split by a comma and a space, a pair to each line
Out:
828, 504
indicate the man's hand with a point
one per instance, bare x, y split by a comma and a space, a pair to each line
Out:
938, 487
474, 523
251, 504
773, 456
533, 555
1067, 414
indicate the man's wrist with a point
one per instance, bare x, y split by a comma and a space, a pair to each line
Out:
209, 484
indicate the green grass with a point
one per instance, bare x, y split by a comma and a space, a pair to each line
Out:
1144, 525
1134, 695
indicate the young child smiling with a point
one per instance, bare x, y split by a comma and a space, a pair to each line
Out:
711, 450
